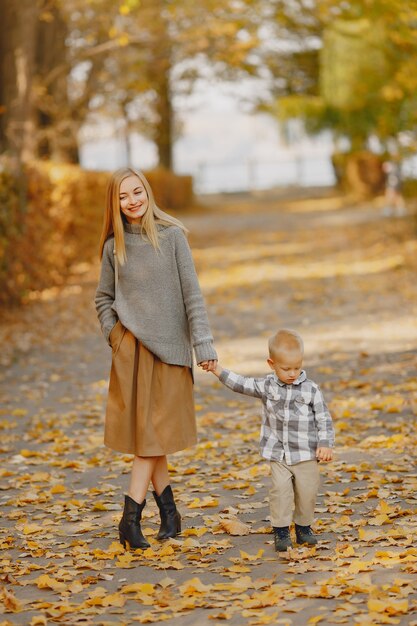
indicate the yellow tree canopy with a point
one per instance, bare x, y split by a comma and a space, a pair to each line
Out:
354, 63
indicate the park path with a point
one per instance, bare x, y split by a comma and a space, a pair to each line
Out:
345, 278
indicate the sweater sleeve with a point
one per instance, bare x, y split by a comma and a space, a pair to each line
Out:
105, 292
201, 336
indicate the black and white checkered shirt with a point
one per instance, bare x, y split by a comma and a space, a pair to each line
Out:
295, 418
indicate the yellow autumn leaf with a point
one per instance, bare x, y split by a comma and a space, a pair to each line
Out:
125, 560
190, 587
149, 553
239, 569
99, 506
29, 453
75, 587
116, 548
166, 551
38, 620
173, 565
19, 413
58, 489
114, 599
189, 542
388, 605
31, 529
40, 477
251, 557
369, 534
384, 507
316, 619
261, 619
223, 615
359, 566
346, 551
147, 588
379, 520
44, 581
197, 532
234, 527
205, 502
10, 602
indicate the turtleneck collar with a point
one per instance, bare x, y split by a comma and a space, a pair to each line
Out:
132, 228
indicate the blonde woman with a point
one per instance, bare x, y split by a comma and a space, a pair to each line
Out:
152, 314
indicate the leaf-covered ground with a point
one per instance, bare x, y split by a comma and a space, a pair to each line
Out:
346, 279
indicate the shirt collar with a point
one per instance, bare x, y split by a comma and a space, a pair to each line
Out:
302, 377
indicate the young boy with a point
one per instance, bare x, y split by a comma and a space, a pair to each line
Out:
296, 433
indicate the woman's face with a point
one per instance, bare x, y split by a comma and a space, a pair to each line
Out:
133, 199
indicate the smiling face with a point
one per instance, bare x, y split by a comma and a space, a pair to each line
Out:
133, 199
287, 365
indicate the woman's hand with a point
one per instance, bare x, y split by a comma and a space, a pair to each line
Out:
208, 366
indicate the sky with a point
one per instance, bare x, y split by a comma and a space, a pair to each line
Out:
223, 145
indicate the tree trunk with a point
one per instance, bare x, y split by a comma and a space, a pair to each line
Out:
17, 53
164, 127
56, 132
159, 72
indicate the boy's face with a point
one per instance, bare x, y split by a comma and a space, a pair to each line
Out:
287, 365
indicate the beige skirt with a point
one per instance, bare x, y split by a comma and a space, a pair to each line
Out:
150, 405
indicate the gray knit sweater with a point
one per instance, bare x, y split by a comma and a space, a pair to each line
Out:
158, 297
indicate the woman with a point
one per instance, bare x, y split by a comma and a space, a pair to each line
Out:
152, 314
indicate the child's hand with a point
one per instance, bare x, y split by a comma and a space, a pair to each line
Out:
208, 366
324, 454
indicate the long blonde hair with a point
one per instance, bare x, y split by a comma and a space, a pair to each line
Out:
113, 223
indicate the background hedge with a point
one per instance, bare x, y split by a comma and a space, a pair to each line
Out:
51, 218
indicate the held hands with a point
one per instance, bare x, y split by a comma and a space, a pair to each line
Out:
211, 366
324, 454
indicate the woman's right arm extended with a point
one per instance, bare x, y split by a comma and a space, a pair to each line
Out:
105, 292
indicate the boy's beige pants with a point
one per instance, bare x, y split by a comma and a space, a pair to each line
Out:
293, 493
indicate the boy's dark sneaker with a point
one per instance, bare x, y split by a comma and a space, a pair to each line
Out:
282, 538
304, 534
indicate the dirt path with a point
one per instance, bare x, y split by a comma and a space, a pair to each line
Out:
343, 276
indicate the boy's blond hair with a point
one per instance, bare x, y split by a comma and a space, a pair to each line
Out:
285, 340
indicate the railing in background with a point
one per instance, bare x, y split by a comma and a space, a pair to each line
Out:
302, 170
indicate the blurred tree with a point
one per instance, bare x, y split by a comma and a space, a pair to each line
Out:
54, 131
348, 67
129, 59
18, 37
163, 48
33, 111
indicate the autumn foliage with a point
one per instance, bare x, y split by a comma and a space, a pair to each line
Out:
345, 277
51, 219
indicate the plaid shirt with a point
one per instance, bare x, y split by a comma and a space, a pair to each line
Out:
295, 418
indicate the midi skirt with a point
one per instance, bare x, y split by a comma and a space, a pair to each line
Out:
150, 404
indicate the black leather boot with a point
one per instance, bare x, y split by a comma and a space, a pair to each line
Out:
282, 538
129, 528
170, 517
304, 534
